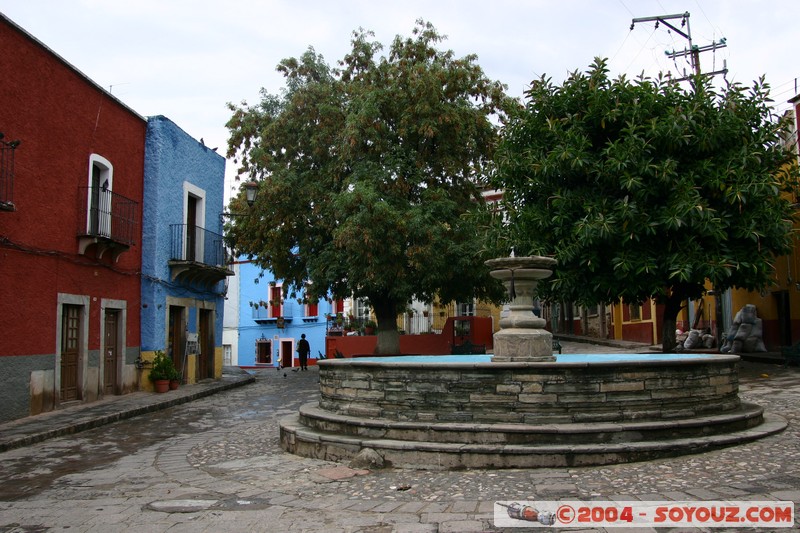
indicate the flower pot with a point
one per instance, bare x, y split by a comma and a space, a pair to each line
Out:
174, 384
161, 385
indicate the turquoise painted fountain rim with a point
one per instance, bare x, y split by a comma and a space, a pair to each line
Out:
566, 360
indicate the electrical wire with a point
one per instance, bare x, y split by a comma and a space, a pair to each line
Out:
83, 261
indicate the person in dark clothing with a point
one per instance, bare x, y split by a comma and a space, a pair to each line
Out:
303, 349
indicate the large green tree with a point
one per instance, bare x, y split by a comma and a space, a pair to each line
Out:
367, 173
647, 188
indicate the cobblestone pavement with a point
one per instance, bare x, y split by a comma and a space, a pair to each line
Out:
214, 464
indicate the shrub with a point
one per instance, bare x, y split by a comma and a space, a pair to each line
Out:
163, 368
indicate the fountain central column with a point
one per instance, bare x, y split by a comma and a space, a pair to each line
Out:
522, 337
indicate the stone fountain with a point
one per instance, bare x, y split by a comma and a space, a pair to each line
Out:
525, 407
522, 336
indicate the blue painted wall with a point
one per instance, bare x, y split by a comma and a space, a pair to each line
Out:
173, 159
254, 325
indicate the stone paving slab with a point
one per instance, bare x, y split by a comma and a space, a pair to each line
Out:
340, 472
76, 418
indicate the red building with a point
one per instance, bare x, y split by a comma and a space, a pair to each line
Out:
71, 184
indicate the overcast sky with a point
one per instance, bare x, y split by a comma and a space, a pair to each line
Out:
186, 59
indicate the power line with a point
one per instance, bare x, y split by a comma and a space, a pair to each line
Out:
692, 51
626, 7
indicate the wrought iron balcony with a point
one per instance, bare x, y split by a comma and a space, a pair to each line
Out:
197, 255
106, 220
262, 315
7, 173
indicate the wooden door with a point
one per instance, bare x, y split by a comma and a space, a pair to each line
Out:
275, 295
94, 203
287, 357
176, 341
191, 229
111, 354
784, 318
205, 343
70, 351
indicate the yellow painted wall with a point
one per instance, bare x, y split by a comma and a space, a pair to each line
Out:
489, 310
218, 362
144, 374
785, 273
191, 368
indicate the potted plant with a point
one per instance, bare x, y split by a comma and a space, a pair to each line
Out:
175, 379
369, 327
162, 371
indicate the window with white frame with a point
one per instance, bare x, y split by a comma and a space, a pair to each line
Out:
101, 180
194, 215
361, 309
465, 309
263, 351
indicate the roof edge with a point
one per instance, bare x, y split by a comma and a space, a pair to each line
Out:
69, 65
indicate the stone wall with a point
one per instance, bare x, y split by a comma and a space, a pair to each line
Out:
530, 393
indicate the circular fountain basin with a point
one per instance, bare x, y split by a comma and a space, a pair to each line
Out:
465, 411
576, 388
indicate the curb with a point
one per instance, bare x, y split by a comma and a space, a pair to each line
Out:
23, 432
603, 342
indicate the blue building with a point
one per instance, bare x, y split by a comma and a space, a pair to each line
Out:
270, 325
183, 254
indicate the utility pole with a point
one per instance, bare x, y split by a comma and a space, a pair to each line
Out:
692, 50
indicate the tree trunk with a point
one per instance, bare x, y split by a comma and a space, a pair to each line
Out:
388, 336
603, 322
670, 320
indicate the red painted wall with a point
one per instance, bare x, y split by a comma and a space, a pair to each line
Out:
61, 118
638, 332
428, 344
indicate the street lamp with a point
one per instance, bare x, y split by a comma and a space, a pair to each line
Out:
250, 193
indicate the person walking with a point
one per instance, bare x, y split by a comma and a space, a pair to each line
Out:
303, 349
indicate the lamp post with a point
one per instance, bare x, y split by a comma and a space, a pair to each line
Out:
250, 193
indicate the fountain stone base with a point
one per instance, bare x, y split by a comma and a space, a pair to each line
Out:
523, 345
438, 414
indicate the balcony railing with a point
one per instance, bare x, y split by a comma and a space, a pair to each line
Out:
7, 173
197, 245
106, 214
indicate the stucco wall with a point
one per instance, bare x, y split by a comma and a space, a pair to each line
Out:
174, 163
250, 330
61, 119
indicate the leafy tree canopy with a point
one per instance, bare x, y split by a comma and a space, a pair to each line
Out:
645, 188
366, 174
